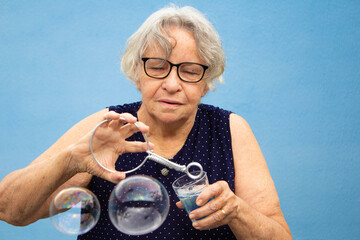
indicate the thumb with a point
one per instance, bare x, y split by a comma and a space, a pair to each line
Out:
114, 177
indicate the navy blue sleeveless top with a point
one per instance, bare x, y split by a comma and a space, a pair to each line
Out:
208, 143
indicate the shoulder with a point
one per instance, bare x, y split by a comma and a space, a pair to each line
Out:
238, 124
241, 132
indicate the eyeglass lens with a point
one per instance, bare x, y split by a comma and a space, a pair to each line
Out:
160, 68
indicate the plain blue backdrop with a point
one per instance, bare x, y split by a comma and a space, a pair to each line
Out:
293, 71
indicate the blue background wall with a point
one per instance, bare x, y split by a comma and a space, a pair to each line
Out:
292, 71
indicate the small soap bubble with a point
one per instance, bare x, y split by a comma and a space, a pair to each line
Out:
138, 205
74, 211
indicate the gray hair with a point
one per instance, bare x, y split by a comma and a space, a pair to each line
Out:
155, 29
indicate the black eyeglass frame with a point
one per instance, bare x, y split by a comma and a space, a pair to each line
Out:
177, 69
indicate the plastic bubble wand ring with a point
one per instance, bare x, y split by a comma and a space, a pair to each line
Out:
152, 156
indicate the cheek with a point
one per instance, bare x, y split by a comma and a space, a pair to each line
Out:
195, 94
147, 87
143, 83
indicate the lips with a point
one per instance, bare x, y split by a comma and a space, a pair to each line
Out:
170, 102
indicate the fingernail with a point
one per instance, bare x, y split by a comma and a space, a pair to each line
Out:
199, 202
195, 224
191, 216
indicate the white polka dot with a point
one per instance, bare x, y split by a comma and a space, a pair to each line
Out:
208, 143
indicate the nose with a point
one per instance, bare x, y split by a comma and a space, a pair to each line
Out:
172, 82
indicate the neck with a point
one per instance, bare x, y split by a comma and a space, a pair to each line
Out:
168, 137
160, 129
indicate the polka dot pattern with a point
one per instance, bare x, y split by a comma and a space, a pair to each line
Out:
208, 143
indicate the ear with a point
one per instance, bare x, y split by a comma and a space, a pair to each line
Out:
205, 90
138, 84
137, 81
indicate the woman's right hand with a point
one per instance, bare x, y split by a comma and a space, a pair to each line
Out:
108, 143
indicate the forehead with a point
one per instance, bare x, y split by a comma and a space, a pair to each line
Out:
183, 46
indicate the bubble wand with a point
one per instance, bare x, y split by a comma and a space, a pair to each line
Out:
152, 156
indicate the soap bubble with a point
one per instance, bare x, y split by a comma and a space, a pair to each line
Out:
138, 205
74, 211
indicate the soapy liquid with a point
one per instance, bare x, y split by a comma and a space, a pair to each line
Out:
189, 203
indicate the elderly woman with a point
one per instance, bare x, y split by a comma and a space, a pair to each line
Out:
173, 59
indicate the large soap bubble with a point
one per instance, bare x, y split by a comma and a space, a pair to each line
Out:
74, 211
138, 205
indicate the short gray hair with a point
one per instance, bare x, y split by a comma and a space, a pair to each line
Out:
208, 41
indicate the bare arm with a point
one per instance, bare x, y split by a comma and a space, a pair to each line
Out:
253, 211
66, 163
259, 215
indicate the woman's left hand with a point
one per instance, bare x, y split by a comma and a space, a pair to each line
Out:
220, 210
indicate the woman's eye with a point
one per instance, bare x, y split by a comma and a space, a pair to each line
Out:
190, 73
157, 68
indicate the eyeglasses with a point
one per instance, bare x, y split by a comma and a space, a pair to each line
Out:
187, 71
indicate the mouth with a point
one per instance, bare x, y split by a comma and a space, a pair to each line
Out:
169, 103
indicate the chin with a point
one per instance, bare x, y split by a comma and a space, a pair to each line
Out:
169, 118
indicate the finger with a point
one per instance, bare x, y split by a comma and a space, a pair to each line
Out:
135, 146
116, 124
118, 120
212, 199
212, 191
180, 205
129, 129
207, 209
127, 117
112, 115
142, 127
214, 220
